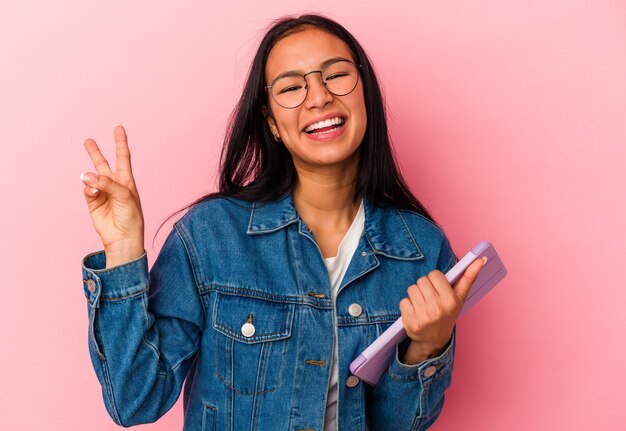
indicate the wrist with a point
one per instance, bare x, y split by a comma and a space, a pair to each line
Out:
123, 255
416, 353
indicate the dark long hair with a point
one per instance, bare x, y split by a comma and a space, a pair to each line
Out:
254, 167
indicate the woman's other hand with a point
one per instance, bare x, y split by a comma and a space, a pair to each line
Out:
113, 202
431, 309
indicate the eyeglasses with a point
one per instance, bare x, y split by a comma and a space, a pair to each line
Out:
290, 90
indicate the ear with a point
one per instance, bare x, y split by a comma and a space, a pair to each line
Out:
270, 120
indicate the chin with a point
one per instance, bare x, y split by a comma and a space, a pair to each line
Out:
332, 158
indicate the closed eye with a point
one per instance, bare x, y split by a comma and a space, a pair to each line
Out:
336, 75
289, 89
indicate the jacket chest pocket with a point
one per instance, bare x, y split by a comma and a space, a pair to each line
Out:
251, 337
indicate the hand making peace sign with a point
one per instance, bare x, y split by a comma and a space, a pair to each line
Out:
113, 202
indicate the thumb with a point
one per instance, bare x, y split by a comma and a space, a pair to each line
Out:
463, 286
101, 183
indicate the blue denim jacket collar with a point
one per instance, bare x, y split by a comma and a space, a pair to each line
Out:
385, 228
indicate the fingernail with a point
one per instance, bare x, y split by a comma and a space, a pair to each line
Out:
484, 260
94, 191
88, 177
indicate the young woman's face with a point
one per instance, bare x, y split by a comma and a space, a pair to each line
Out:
303, 52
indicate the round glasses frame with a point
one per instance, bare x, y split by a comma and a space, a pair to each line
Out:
358, 66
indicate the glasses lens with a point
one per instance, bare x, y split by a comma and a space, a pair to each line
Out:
289, 91
340, 77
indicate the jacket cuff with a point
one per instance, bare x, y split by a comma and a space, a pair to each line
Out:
117, 282
427, 370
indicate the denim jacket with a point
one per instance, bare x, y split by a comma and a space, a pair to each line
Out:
237, 307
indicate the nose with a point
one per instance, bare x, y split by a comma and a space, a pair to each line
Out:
317, 94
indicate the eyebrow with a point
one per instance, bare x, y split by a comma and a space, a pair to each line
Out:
324, 64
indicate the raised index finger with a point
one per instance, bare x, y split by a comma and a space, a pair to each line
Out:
99, 162
122, 153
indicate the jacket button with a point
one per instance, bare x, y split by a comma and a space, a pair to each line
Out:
355, 310
352, 381
430, 371
247, 329
91, 285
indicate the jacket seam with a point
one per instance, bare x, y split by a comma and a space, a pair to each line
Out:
119, 298
260, 338
144, 339
208, 406
295, 260
257, 294
107, 378
193, 261
295, 370
368, 320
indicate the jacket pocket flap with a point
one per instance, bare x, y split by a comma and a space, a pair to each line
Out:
252, 320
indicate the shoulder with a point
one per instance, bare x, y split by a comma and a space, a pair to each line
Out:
396, 219
432, 237
218, 211
421, 225
404, 233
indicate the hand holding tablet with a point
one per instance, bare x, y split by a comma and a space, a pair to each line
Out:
374, 360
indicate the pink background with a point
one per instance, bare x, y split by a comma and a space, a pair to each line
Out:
509, 122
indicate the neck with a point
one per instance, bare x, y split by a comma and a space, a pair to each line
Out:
325, 197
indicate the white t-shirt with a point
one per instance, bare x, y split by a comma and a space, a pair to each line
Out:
337, 267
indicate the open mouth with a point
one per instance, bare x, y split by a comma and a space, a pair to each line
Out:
325, 126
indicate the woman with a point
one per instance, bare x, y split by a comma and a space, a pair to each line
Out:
265, 291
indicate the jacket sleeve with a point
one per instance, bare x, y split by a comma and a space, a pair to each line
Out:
411, 397
144, 329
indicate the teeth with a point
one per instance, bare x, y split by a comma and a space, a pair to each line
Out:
324, 123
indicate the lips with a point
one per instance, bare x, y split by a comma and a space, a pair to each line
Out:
327, 134
325, 126
332, 119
